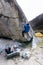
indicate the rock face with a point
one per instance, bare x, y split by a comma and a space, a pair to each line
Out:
11, 19
37, 23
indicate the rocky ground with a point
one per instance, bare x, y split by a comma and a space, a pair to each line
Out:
36, 57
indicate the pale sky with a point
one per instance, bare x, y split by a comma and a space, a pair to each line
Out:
31, 8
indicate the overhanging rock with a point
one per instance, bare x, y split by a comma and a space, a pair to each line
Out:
11, 19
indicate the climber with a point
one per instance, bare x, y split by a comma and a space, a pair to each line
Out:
27, 32
26, 29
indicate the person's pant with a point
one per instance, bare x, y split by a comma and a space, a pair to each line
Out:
23, 32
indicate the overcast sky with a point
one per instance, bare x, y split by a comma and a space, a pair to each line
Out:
31, 8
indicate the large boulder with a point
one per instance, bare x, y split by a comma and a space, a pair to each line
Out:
37, 23
11, 19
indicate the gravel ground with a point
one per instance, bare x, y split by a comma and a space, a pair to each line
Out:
36, 57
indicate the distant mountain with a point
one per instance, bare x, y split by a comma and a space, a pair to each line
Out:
37, 23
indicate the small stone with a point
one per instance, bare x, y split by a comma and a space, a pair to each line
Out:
26, 54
